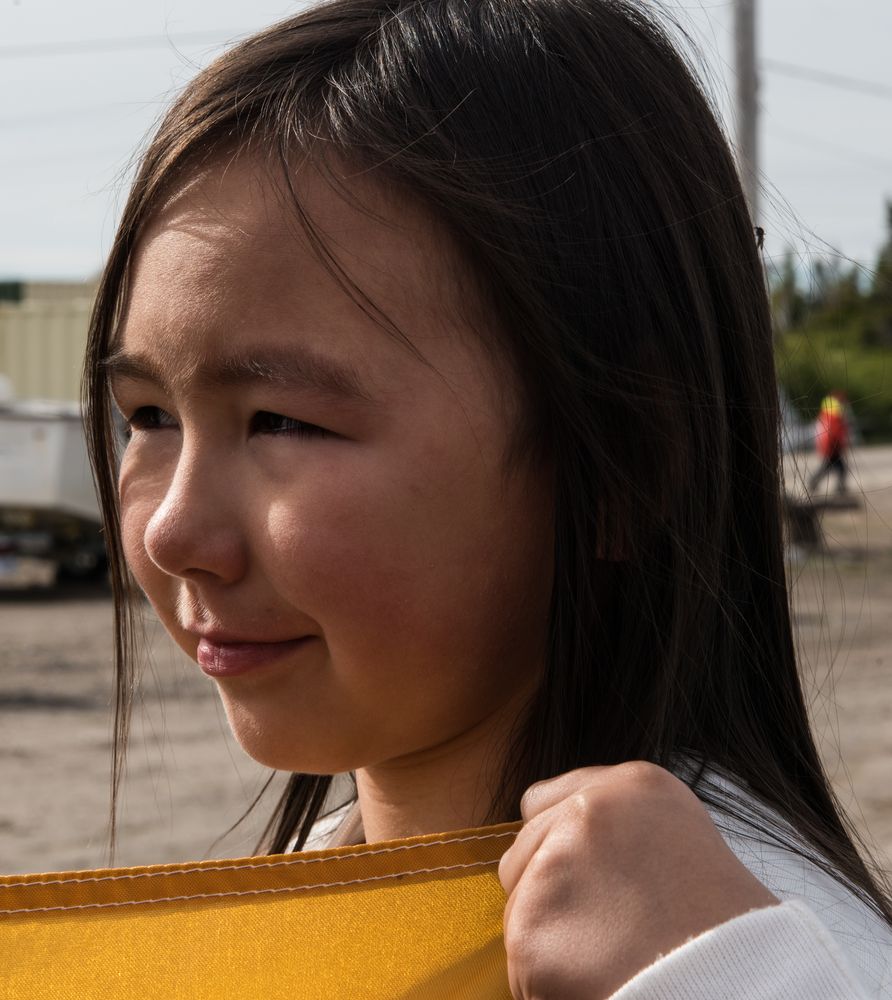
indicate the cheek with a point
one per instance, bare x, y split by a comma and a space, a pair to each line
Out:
135, 515
139, 499
426, 562
134, 518
348, 556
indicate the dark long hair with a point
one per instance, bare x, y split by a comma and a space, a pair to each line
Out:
566, 148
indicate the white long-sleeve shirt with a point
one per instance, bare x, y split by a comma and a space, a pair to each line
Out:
821, 943
778, 953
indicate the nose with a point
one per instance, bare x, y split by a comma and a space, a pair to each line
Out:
196, 532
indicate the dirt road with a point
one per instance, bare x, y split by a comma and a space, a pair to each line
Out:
188, 780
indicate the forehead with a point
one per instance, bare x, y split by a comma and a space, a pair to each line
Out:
225, 262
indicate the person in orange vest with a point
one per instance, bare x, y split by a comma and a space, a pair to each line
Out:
832, 441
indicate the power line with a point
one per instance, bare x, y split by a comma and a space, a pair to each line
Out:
860, 157
134, 42
837, 80
88, 45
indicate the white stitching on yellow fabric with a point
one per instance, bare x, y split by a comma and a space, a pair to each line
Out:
248, 892
261, 864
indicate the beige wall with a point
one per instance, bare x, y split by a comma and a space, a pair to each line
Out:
42, 343
59, 291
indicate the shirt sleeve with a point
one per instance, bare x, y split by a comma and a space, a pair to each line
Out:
778, 953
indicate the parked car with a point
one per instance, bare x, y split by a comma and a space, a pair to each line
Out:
49, 514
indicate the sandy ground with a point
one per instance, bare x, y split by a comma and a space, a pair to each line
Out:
188, 781
842, 599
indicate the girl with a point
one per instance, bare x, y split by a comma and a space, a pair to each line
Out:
441, 337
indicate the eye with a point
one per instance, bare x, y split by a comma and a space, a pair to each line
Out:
264, 422
149, 418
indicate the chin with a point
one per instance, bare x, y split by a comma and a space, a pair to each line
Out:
280, 747
273, 754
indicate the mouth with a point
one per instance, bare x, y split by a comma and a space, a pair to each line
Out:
229, 658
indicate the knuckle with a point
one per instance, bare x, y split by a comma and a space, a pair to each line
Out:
528, 799
578, 814
645, 777
506, 868
587, 812
579, 804
546, 866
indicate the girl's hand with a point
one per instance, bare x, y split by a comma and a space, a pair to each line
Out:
614, 867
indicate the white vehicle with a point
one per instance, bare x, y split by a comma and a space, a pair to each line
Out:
49, 514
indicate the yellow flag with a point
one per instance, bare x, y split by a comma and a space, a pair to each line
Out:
415, 919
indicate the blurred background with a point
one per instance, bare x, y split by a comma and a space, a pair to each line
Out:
804, 89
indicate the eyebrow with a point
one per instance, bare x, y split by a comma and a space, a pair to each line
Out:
293, 368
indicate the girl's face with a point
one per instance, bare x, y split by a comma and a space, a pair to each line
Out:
299, 478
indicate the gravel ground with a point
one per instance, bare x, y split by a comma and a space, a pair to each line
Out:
188, 780
842, 599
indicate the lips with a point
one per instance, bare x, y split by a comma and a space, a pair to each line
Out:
230, 657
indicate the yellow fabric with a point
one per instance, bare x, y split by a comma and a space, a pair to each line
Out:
417, 919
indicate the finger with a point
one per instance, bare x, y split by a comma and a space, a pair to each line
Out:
517, 857
545, 794
509, 906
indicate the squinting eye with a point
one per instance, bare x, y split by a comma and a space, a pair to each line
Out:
264, 422
149, 418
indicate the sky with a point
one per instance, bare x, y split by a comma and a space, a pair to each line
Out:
82, 83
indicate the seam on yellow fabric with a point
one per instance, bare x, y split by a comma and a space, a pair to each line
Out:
250, 892
262, 864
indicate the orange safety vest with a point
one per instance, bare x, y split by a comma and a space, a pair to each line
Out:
832, 429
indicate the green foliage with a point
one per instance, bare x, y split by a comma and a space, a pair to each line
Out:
835, 333
815, 361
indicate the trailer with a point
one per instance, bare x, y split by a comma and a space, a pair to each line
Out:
49, 513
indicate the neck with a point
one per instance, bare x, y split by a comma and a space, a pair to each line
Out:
442, 788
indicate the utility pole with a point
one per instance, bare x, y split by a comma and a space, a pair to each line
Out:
747, 102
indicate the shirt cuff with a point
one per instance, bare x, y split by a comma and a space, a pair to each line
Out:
778, 953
